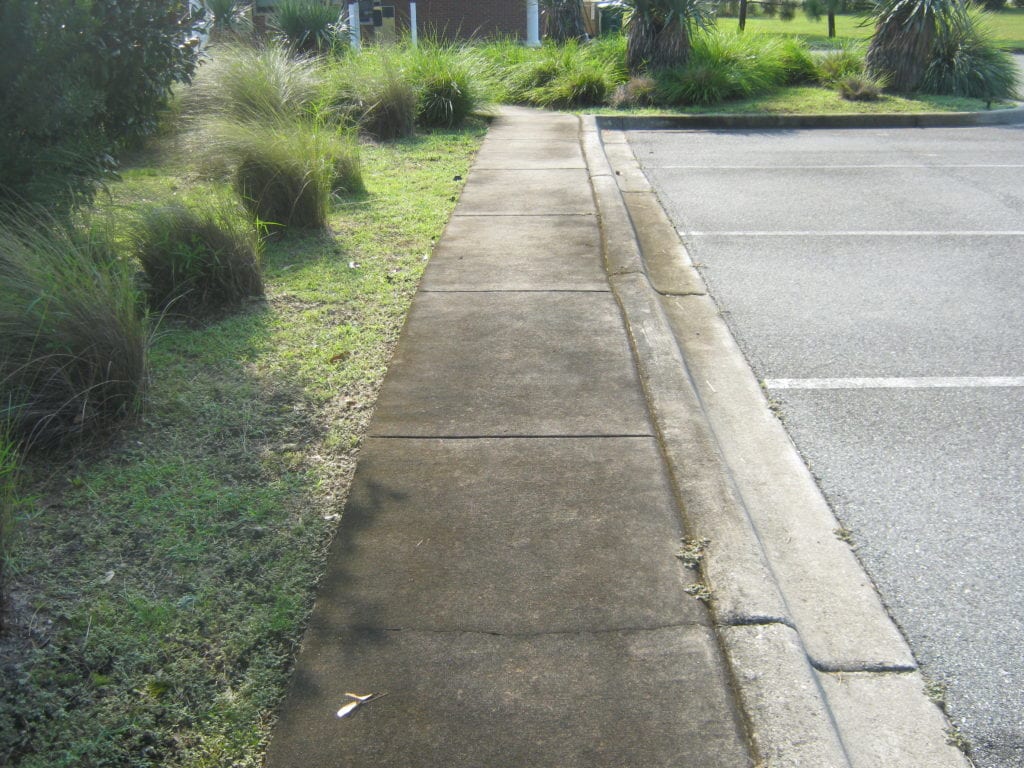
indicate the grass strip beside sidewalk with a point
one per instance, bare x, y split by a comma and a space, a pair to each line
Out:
160, 584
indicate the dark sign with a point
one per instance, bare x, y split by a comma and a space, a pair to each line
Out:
366, 11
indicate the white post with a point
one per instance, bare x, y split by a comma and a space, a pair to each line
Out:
412, 22
353, 26
532, 24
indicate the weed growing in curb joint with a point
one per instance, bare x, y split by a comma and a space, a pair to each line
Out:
692, 552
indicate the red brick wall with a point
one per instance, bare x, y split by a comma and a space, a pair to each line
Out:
466, 18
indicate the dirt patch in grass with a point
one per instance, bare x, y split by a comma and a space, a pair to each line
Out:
161, 582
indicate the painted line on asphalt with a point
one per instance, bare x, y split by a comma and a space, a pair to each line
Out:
922, 382
851, 233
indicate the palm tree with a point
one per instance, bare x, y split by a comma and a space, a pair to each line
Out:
658, 31
563, 20
905, 32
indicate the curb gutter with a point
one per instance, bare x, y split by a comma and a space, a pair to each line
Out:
822, 675
1011, 116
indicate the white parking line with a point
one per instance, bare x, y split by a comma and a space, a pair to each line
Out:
922, 382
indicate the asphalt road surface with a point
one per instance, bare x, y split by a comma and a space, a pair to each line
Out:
875, 281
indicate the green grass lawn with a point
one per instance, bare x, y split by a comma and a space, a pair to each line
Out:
1007, 26
161, 581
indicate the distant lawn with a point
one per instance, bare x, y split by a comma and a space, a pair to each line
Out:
1008, 26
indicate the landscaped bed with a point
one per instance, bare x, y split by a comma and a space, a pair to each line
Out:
161, 579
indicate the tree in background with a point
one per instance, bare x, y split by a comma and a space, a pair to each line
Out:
80, 79
658, 31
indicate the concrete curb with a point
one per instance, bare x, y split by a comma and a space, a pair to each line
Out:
1011, 116
795, 614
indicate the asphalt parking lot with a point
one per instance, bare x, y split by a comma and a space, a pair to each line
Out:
875, 281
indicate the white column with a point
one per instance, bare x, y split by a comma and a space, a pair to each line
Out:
412, 22
532, 24
353, 26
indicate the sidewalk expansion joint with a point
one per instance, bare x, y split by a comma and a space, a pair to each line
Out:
514, 215
604, 435
516, 290
880, 668
757, 621
626, 630
680, 294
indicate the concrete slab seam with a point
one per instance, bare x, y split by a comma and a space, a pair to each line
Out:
779, 746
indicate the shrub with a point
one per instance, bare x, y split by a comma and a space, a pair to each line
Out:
839, 64
79, 80
862, 87
245, 83
286, 173
965, 61
72, 339
197, 262
636, 92
308, 26
725, 65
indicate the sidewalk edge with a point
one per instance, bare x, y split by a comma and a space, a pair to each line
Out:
790, 700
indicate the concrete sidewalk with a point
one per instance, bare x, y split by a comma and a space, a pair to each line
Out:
566, 412
506, 566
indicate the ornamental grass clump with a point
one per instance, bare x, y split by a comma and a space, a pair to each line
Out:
73, 340
584, 83
197, 262
449, 82
10, 464
250, 84
862, 87
287, 173
839, 64
723, 66
372, 91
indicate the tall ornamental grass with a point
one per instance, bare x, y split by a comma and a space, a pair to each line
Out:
9, 466
373, 91
725, 65
73, 340
253, 84
450, 82
197, 262
286, 173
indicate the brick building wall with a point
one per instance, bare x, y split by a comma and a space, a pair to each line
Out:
465, 18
